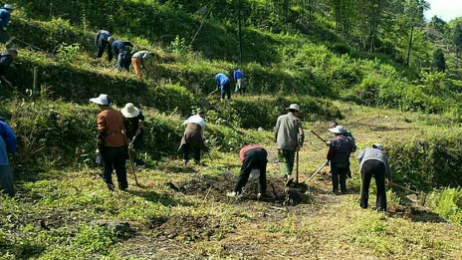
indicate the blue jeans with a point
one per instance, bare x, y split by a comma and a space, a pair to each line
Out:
226, 90
6, 179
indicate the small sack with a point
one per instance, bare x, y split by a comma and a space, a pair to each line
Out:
255, 174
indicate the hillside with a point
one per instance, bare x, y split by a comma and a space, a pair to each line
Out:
322, 55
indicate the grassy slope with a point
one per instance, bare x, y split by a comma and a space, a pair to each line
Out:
49, 219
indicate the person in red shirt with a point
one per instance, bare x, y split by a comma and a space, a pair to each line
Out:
111, 142
252, 157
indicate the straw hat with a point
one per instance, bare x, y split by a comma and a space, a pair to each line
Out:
8, 7
294, 107
337, 130
130, 111
102, 100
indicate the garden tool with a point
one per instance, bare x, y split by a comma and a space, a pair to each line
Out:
318, 136
422, 196
318, 170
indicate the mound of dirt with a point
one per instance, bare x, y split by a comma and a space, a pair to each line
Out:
191, 228
215, 188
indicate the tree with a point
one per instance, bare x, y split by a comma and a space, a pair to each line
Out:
414, 17
439, 61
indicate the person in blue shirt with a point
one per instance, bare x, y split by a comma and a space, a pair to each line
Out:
8, 143
124, 58
224, 84
104, 40
239, 79
5, 17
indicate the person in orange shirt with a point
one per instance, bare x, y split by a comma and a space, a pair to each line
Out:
111, 142
138, 61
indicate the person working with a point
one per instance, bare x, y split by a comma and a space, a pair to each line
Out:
289, 138
5, 17
6, 58
340, 149
8, 143
374, 163
133, 123
239, 79
253, 157
193, 138
103, 41
111, 142
139, 59
123, 55
223, 83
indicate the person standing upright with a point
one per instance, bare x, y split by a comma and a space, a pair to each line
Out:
223, 83
103, 41
8, 143
239, 79
374, 163
340, 148
5, 17
133, 123
111, 142
289, 138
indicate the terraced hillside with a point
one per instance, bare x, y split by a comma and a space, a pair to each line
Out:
63, 210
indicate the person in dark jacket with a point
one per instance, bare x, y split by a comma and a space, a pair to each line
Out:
374, 163
8, 143
340, 149
124, 58
348, 135
224, 84
193, 138
111, 142
5, 17
6, 58
253, 157
104, 42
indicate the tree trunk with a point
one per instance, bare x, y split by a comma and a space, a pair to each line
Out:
408, 58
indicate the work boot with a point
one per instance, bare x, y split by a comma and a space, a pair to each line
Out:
185, 162
290, 180
264, 197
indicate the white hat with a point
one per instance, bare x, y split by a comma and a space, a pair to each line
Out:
377, 146
337, 130
102, 100
8, 7
130, 111
294, 107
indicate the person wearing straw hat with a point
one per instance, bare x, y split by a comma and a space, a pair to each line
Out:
6, 58
340, 148
104, 42
374, 163
193, 137
289, 138
5, 17
133, 122
111, 142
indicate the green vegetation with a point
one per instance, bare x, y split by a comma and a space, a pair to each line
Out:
340, 60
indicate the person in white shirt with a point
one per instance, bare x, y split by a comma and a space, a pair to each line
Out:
193, 138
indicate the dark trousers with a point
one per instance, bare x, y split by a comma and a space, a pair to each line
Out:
253, 159
196, 151
286, 161
102, 45
376, 169
226, 90
123, 61
339, 173
114, 158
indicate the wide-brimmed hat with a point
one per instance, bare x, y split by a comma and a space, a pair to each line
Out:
102, 100
8, 7
294, 107
130, 111
377, 146
337, 130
